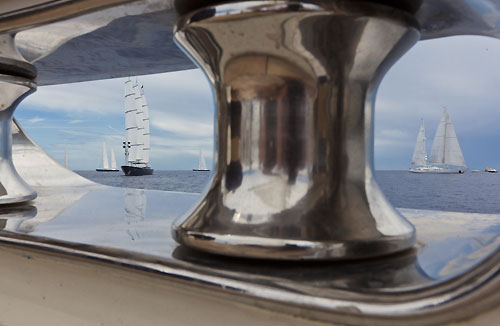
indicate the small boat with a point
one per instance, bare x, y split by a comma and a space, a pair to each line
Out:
475, 171
105, 164
202, 166
490, 170
446, 155
137, 142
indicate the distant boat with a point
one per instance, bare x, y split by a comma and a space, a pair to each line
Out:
105, 164
136, 144
490, 170
446, 155
202, 166
475, 171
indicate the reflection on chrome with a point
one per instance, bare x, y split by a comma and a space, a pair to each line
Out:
135, 210
15, 84
293, 178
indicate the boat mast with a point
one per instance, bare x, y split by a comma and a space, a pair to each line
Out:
130, 143
113, 159
446, 119
139, 123
105, 162
146, 133
420, 152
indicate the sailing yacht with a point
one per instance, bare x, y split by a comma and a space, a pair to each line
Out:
446, 155
105, 163
202, 166
136, 144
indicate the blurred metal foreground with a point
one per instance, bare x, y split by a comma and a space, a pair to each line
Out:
79, 255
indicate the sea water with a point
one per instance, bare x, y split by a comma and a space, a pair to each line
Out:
182, 181
469, 192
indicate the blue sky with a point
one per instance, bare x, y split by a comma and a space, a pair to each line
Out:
462, 73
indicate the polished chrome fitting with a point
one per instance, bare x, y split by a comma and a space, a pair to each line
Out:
16, 82
295, 86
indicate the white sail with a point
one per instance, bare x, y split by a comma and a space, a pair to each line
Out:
113, 159
437, 149
145, 117
139, 122
445, 148
420, 151
130, 122
201, 163
105, 164
453, 154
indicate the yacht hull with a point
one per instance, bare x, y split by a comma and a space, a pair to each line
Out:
136, 171
437, 170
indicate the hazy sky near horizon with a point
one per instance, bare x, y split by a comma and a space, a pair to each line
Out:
462, 73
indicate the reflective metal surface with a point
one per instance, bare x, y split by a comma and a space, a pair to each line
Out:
13, 89
452, 274
294, 161
36, 167
128, 39
438, 275
135, 38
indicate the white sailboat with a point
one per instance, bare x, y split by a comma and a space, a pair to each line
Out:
137, 142
446, 155
202, 166
105, 162
113, 160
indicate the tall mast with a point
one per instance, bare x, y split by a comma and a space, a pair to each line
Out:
446, 120
445, 148
130, 144
113, 159
420, 152
437, 149
105, 163
138, 122
453, 154
146, 149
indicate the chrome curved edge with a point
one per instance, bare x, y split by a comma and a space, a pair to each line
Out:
294, 140
29, 159
15, 84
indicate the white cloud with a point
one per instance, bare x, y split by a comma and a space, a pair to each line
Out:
106, 96
181, 126
36, 120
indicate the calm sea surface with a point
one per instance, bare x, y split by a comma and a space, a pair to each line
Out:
469, 192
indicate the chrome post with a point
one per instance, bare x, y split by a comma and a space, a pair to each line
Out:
16, 82
295, 85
